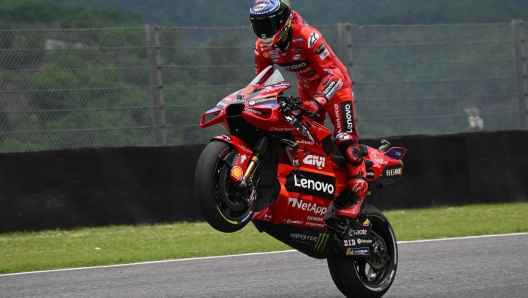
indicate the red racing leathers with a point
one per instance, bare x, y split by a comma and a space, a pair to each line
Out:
323, 79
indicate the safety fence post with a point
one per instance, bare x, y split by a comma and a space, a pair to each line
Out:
520, 66
156, 84
344, 32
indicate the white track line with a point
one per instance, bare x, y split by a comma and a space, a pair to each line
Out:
239, 255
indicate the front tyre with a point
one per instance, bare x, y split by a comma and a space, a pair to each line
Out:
222, 204
362, 277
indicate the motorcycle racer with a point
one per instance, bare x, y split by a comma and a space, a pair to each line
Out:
285, 39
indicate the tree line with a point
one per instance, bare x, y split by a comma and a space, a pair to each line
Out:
362, 12
29, 14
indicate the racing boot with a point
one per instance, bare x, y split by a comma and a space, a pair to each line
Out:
357, 205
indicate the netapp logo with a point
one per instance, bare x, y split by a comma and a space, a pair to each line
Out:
310, 207
311, 183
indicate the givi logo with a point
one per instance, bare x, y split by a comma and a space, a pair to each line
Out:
314, 160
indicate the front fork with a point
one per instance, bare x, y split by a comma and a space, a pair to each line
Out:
258, 152
244, 162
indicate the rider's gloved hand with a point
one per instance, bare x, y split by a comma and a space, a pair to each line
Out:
311, 106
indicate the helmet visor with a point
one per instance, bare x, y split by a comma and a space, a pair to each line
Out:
267, 27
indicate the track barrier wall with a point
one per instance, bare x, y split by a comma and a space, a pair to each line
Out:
92, 187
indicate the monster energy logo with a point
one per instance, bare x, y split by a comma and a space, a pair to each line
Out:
321, 242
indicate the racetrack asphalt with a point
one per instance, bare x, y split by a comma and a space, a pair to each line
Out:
472, 267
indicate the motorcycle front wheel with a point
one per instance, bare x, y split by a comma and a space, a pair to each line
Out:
221, 203
362, 277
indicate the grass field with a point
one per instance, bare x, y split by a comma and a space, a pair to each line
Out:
21, 252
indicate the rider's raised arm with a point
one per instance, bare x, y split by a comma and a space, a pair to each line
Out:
260, 61
320, 53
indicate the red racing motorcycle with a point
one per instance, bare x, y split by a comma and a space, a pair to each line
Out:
276, 168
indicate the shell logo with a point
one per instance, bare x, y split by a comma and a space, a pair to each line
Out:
237, 173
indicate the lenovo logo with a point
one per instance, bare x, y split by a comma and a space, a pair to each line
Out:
294, 66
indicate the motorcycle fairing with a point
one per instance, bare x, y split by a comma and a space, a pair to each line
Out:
240, 162
382, 167
396, 152
312, 242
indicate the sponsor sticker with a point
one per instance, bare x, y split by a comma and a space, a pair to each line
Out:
350, 242
253, 111
346, 108
311, 183
360, 251
324, 55
295, 66
306, 142
307, 206
393, 172
312, 39
260, 7
364, 241
321, 242
303, 238
237, 172
315, 224
361, 232
321, 49
314, 160
262, 101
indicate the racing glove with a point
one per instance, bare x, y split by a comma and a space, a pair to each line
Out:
310, 106
315, 104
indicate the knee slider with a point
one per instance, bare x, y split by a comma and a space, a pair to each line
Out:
349, 149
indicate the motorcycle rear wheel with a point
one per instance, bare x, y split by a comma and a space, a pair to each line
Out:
217, 196
354, 276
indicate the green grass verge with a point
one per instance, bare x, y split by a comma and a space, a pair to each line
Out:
21, 252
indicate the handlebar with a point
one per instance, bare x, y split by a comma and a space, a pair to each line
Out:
290, 104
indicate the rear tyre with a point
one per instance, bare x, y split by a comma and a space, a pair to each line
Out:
355, 276
221, 202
